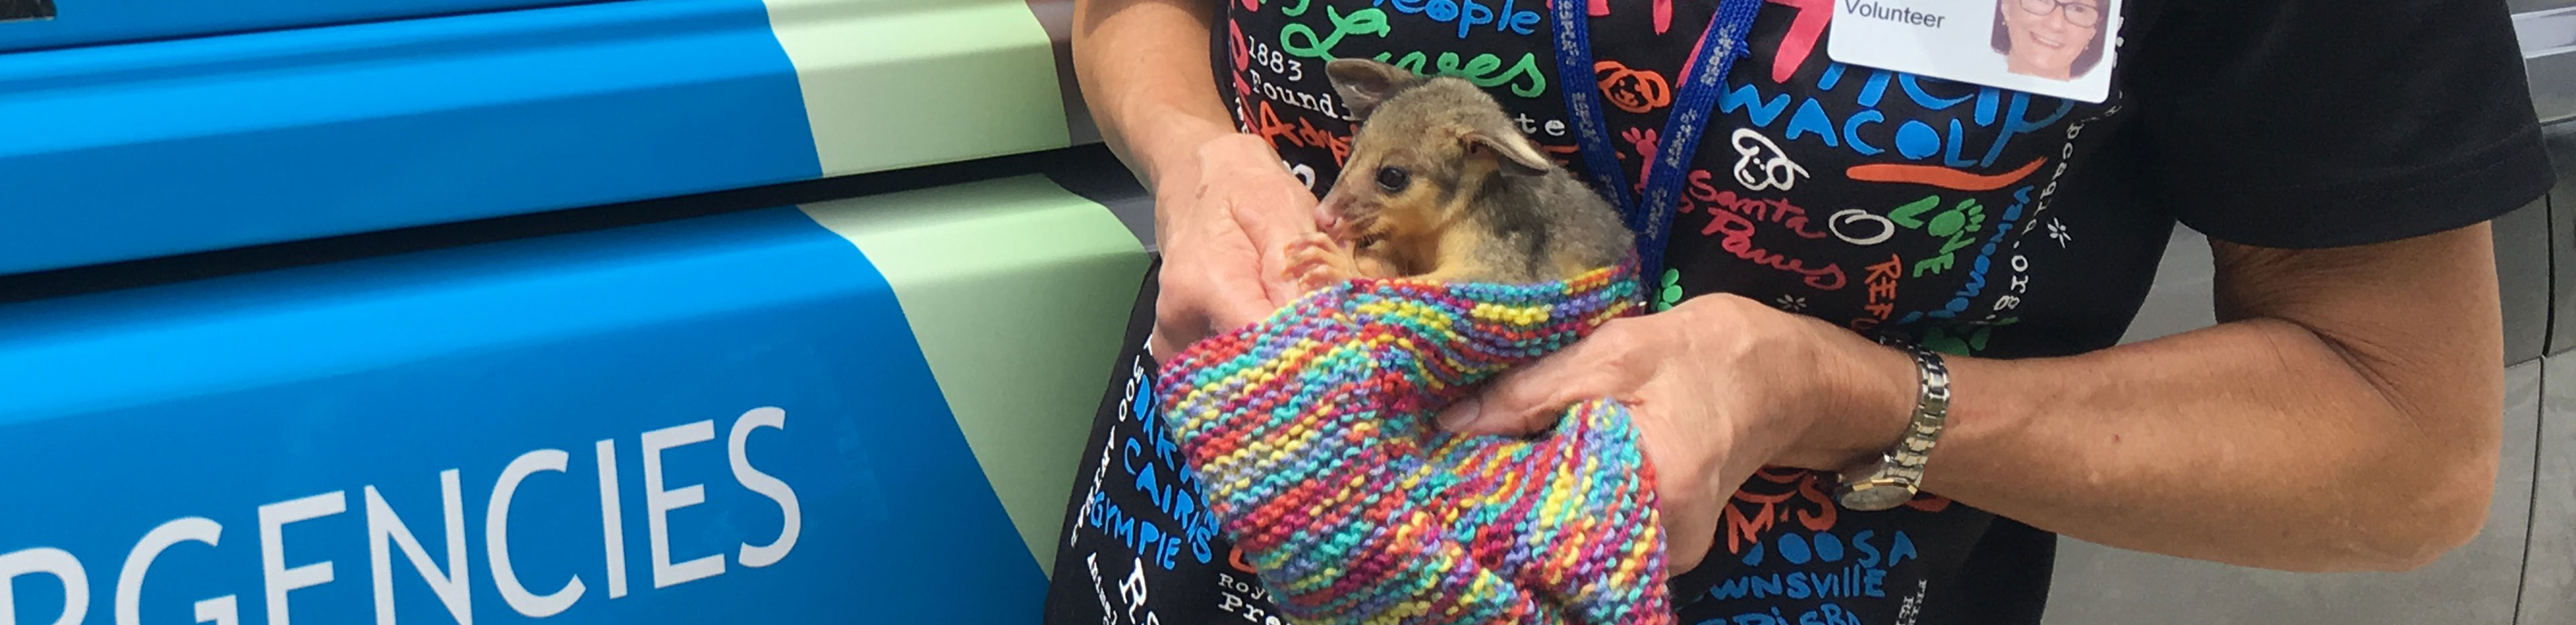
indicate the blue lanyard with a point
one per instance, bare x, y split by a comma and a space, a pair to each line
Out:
1650, 214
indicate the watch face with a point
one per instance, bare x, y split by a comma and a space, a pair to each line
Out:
1875, 495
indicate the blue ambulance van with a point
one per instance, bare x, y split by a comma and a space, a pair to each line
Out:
626, 311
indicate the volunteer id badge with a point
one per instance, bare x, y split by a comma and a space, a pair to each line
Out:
2061, 48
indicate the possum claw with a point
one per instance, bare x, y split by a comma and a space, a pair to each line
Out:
1317, 261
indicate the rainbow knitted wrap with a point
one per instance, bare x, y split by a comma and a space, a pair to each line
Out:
1312, 437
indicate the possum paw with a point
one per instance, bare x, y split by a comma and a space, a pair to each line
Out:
1316, 261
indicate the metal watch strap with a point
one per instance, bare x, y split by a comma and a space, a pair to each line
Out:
1897, 475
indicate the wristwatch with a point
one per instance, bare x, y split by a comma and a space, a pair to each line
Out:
1898, 474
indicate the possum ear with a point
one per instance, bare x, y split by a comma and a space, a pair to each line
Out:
1513, 150
1364, 83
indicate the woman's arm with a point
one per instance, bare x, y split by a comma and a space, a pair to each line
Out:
2344, 416
1224, 205
1143, 69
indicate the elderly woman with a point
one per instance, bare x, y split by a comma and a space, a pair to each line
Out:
2052, 39
2344, 415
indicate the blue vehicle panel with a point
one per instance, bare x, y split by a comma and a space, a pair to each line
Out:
722, 419
89, 22
152, 149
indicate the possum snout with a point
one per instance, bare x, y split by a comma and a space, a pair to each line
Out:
1346, 219
1328, 213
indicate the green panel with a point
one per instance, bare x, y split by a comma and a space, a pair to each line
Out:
1018, 292
898, 83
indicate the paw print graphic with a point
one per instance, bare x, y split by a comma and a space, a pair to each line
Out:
1671, 293
1966, 216
1941, 340
1643, 139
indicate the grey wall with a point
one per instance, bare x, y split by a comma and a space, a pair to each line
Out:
2522, 241
2562, 229
2549, 573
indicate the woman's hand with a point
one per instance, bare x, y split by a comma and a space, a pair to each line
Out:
1225, 208
1223, 223
1718, 387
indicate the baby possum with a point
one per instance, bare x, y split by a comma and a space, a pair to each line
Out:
1442, 185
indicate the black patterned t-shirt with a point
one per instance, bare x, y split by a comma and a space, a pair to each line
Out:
1974, 220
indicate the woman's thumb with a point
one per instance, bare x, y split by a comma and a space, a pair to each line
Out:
1510, 405
1532, 397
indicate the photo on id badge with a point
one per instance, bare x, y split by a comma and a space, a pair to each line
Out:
2062, 48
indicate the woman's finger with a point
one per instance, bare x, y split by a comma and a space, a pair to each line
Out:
1200, 298
1270, 224
1159, 344
1234, 301
1178, 321
1687, 541
1533, 397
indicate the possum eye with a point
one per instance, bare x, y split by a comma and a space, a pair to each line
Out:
1392, 180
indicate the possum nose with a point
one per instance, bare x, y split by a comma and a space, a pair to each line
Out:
1328, 214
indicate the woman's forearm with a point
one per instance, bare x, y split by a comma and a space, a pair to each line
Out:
2250, 443
1144, 72
1225, 206
2284, 439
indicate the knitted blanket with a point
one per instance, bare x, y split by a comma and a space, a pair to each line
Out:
1313, 438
